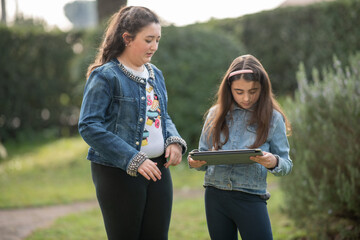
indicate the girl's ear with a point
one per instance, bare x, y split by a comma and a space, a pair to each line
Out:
126, 37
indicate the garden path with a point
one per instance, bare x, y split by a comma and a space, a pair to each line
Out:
17, 224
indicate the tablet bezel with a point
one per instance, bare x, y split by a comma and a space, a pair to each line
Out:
222, 157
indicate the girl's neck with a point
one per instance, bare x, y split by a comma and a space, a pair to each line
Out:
125, 61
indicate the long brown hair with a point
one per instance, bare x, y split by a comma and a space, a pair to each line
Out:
128, 19
261, 112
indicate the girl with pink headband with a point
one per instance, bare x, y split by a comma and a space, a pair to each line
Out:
244, 116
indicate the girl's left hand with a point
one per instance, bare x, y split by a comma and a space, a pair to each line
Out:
267, 160
173, 153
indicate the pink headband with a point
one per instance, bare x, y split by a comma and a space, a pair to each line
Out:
240, 72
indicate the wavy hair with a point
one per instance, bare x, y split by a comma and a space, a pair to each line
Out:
261, 113
128, 19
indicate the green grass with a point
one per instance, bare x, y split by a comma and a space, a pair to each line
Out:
45, 174
87, 225
283, 228
187, 222
55, 171
185, 178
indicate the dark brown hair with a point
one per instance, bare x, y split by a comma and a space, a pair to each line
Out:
128, 19
261, 112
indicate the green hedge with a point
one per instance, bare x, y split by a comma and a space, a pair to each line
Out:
35, 82
193, 62
284, 37
193, 59
322, 192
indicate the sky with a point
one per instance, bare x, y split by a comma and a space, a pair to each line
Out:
179, 13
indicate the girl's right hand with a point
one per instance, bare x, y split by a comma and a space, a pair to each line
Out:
195, 163
149, 170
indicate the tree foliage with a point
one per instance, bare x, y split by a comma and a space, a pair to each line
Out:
192, 66
325, 145
3, 12
286, 36
106, 8
35, 84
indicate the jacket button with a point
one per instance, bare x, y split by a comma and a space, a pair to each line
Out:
137, 143
142, 81
142, 98
141, 119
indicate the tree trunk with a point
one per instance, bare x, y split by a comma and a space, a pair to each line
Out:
3, 12
106, 8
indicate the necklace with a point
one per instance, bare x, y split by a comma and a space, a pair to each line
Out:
133, 67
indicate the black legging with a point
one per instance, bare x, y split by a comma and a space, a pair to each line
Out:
134, 207
229, 211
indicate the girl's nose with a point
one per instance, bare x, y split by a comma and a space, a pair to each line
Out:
154, 46
246, 97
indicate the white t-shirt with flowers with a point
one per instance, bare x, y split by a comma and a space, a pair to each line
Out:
153, 140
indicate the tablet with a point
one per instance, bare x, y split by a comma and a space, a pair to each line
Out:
241, 156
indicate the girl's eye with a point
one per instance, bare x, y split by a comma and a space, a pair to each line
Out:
148, 41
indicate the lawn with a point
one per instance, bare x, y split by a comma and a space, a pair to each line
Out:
55, 171
45, 173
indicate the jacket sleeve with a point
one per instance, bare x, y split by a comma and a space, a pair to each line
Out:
279, 146
96, 100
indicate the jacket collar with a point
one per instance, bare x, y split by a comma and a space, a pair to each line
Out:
132, 76
236, 107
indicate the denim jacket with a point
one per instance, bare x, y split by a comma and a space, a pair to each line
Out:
113, 115
250, 178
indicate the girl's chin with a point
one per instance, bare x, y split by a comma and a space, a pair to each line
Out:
246, 106
147, 59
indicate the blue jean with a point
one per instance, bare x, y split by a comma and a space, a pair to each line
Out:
134, 208
229, 211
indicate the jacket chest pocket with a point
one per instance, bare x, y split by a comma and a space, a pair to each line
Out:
126, 110
251, 134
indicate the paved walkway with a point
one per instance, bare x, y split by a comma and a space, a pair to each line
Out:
17, 224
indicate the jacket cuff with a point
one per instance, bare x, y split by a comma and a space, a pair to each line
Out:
135, 162
178, 140
276, 169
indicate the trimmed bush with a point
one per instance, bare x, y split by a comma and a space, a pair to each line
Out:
284, 37
35, 81
193, 61
322, 193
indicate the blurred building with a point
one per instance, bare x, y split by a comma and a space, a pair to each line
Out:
82, 14
288, 3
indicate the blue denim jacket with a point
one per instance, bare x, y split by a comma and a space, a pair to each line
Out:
113, 115
250, 178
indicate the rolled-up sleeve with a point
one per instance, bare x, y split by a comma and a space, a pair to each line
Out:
279, 146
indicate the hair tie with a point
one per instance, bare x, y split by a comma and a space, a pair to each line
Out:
240, 72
